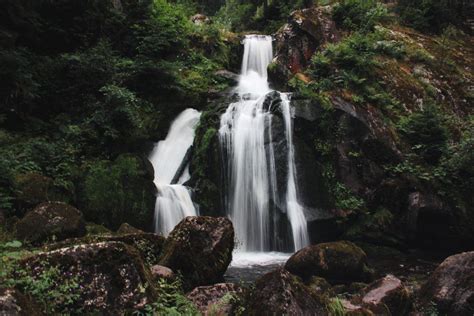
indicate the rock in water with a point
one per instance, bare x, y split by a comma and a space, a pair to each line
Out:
107, 277
200, 248
388, 291
338, 262
281, 293
451, 286
215, 299
51, 220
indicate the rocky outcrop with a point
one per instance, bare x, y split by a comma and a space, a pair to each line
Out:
200, 248
217, 299
14, 303
296, 42
107, 277
51, 221
338, 262
451, 286
281, 293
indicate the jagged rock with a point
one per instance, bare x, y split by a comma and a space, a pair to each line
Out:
215, 299
296, 41
51, 220
126, 228
161, 272
338, 262
107, 277
451, 286
148, 245
281, 293
200, 248
14, 303
388, 291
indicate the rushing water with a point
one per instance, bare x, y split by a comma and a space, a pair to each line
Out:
246, 141
173, 201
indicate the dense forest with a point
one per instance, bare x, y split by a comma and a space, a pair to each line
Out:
382, 94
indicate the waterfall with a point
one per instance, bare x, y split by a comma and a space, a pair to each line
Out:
173, 201
246, 140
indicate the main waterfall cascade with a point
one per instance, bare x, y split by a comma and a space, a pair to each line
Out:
251, 180
173, 201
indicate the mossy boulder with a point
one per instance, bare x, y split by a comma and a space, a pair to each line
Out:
51, 221
338, 262
14, 303
200, 248
281, 293
451, 286
100, 278
148, 245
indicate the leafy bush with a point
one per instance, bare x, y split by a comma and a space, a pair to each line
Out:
359, 15
426, 132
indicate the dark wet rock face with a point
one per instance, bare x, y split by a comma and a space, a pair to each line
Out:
338, 262
51, 220
14, 303
200, 248
281, 293
217, 299
451, 286
108, 277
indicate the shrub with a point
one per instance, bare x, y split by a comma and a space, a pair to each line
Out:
359, 15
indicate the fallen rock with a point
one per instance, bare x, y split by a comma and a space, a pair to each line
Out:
51, 220
200, 248
388, 291
281, 293
126, 228
338, 262
14, 303
451, 286
161, 272
217, 299
106, 277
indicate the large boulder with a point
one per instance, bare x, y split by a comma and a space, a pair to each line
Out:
200, 248
51, 220
107, 277
451, 286
281, 293
14, 303
148, 245
338, 262
217, 299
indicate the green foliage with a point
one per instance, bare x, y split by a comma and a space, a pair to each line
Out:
335, 307
171, 301
359, 15
426, 132
433, 15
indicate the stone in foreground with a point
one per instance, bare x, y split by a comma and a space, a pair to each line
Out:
200, 248
217, 299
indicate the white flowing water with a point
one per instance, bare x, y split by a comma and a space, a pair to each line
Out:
245, 131
173, 201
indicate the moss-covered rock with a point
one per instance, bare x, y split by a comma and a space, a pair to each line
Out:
126, 228
338, 262
281, 293
51, 221
217, 299
106, 277
200, 248
148, 245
